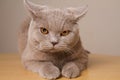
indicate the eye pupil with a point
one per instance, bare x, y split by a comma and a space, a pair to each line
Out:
65, 32
44, 30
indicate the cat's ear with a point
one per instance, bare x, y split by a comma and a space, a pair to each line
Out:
78, 12
34, 9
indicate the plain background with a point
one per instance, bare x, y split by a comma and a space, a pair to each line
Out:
99, 29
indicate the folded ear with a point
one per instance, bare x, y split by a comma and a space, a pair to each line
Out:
78, 12
34, 9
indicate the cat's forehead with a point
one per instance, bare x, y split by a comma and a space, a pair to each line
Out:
56, 19
59, 13
56, 15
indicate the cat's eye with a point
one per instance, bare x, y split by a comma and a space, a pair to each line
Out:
44, 30
65, 33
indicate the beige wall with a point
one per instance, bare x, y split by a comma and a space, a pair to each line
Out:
99, 29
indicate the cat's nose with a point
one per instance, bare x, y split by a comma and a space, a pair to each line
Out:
54, 43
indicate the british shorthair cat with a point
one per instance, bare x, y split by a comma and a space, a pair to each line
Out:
50, 42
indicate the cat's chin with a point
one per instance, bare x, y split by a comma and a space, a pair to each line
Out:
53, 50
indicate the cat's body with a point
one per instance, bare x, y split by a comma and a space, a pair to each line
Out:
50, 43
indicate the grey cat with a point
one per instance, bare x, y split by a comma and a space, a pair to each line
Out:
50, 43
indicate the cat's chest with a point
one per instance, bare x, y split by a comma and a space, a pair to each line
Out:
60, 59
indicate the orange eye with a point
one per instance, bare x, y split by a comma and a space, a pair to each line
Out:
44, 30
65, 33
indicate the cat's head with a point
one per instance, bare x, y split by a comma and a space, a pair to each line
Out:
53, 30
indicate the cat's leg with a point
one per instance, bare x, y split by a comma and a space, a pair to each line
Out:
73, 69
45, 69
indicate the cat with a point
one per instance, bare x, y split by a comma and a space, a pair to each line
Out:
49, 41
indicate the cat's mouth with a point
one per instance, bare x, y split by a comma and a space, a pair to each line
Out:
53, 50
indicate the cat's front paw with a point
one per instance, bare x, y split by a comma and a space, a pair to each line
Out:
70, 70
49, 72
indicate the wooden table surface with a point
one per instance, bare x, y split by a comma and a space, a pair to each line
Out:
101, 67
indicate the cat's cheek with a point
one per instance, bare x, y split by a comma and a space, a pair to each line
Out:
70, 39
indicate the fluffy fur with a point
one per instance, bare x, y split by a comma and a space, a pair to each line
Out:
67, 57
